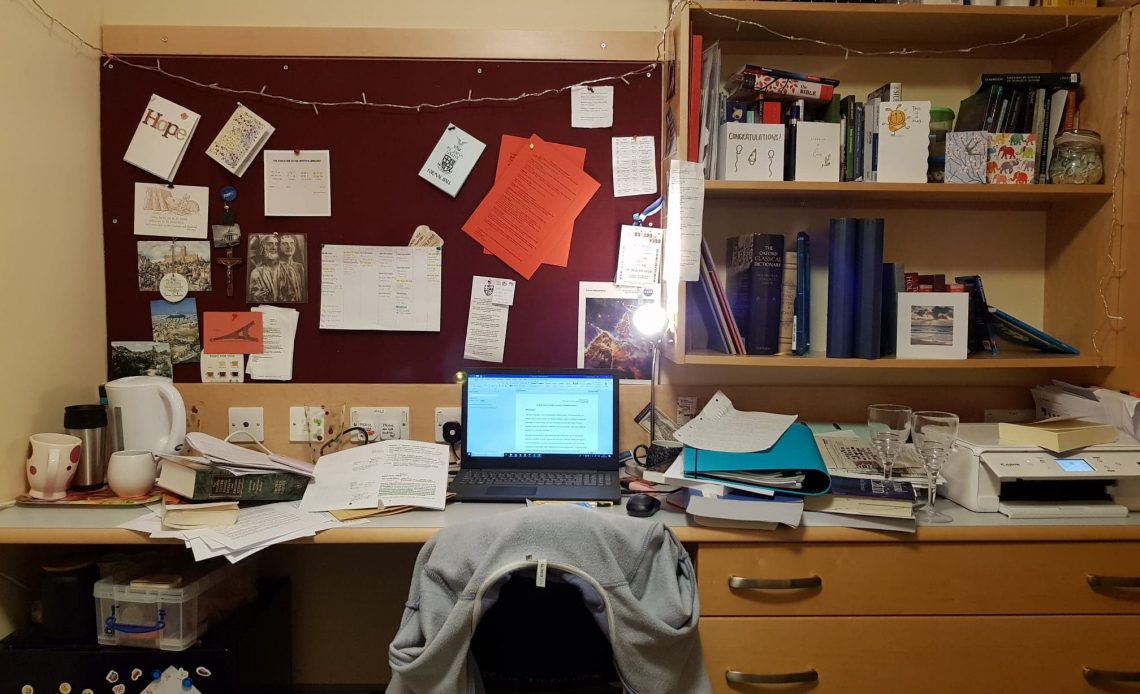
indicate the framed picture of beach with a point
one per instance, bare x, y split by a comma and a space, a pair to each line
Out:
933, 325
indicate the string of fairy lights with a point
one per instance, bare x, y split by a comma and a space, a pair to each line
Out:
1114, 271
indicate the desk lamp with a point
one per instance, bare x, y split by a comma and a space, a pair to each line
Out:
650, 320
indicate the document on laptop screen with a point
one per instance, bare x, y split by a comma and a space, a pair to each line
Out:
530, 415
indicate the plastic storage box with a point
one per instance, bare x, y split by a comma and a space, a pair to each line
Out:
170, 611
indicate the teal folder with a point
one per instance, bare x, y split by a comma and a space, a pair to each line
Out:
794, 453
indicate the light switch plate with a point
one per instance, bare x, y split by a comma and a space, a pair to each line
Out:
250, 420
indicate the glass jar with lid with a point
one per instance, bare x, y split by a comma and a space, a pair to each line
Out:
1077, 157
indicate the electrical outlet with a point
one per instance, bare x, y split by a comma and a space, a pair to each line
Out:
307, 423
992, 416
443, 415
381, 423
250, 420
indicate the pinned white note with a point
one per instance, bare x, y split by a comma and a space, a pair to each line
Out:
639, 256
503, 293
591, 107
486, 321
452, 159
634, 166
297, 183
686, 207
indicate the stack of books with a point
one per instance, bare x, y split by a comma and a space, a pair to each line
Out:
763, 304
227, 472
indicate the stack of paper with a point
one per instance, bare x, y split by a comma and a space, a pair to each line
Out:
380, 475
275, 363
846, 454
256, 528
242, 460
527, 218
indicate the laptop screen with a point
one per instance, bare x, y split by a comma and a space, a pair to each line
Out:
540, 419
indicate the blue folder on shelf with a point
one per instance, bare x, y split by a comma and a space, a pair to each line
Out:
792, 465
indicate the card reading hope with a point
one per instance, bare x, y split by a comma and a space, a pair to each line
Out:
452, 159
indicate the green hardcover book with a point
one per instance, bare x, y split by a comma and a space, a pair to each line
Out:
848, 108
198, 482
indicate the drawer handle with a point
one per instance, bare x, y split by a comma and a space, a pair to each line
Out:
1113, 581
736, 677
775, 583
1109, 676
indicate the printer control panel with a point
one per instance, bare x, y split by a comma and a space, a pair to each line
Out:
1077, 464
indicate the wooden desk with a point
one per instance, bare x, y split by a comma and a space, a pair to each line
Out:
985, 604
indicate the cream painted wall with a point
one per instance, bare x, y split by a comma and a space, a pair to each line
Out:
620, 15
51, 267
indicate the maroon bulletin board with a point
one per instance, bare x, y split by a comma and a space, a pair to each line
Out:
377, 195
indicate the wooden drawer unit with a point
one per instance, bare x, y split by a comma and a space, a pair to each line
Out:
933, 578
931, 655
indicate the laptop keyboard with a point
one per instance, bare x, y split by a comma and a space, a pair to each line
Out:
556, 478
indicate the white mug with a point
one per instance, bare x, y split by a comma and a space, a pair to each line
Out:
52, 464
131, 473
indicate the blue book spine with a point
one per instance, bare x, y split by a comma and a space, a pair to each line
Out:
868, 288
893, 283
803, 295
766, 291
841, 287
738, 282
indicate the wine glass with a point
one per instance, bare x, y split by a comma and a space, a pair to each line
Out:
934, 437
889, 426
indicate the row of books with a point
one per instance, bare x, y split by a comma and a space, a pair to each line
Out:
763, 305
1041, 104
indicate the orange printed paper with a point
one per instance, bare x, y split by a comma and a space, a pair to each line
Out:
520, 218
225, 332
510, 147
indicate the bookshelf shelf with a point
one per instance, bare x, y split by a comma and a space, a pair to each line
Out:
1018, 361
907, 193
1047, 252
923, 26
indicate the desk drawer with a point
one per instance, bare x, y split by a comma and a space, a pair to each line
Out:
909, 578
931, 655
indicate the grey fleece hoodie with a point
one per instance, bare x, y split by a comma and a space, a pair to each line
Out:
634, 576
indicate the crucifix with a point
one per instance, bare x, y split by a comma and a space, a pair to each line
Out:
227, 234
229, 261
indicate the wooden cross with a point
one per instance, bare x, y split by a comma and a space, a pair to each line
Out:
229, 261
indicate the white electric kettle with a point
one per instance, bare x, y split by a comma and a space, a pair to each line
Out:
150, 411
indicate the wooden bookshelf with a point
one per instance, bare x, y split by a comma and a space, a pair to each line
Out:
1038, 196
1048, 248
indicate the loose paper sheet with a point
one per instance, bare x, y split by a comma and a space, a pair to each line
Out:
449, 164
521, 217
591, 107
180, 211
381, 287
223, 368
559, 253
686, 208
639, 256
233, 332
297, 183
424, 236
721, 427
486, 321
270, 523
634, 166
275, 363
347, 479
414, 473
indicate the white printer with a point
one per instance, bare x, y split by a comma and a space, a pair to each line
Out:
1022, 481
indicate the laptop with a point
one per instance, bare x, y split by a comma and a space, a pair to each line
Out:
539, 434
